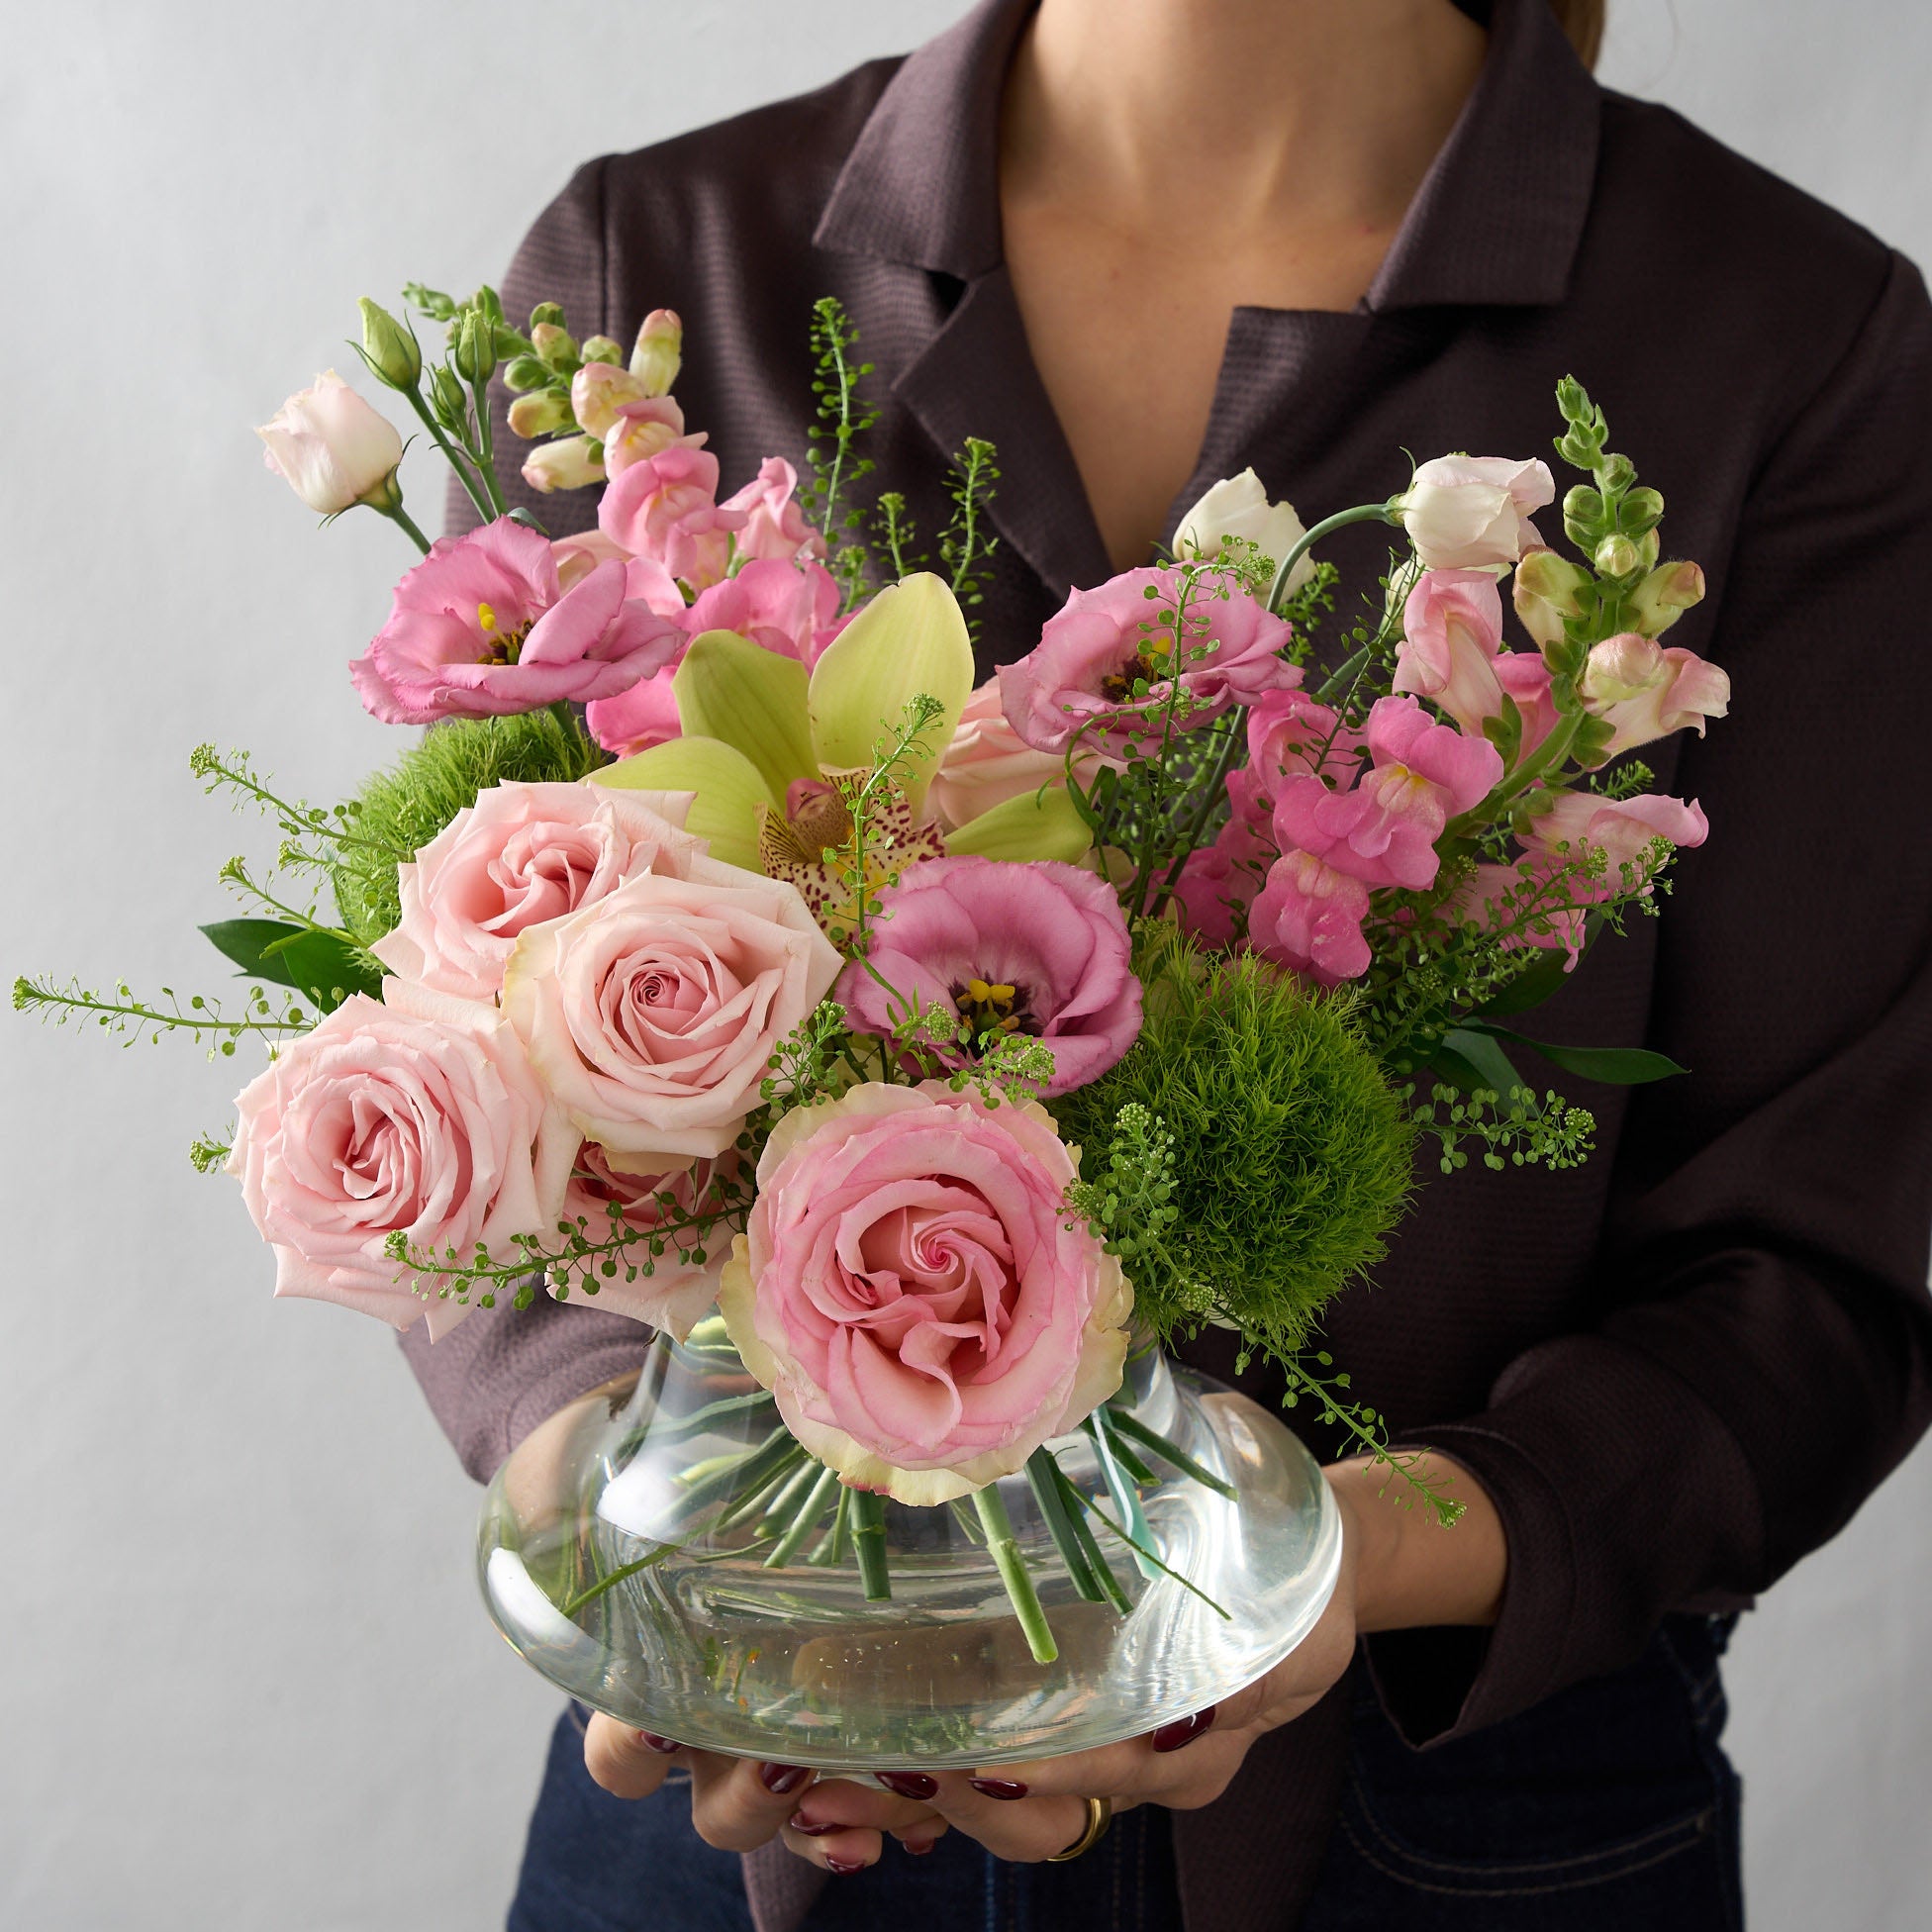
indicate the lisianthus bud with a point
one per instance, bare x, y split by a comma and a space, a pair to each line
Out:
476, 346
567, 464
1547, 595
1664, 596
447, 393
658, 352
1239, 506
541, 413
602, 348
554, 344
598, 392
330, 446
1617, 556
388, 347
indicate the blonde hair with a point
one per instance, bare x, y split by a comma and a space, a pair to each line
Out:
1582, 21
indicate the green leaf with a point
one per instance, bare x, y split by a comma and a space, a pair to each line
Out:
1612, 1066
313, 962
1465, 1052
1539, 982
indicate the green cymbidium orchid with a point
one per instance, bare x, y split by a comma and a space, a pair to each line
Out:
765, 742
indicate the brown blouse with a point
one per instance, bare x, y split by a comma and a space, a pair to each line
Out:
1682, 1366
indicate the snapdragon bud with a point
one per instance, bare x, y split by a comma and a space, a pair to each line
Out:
1583, 516
538, 414
555, 346
524, 373
1617, 556
602, 348
388, 347
1548, 594
546, 315
658, 352
1664, 596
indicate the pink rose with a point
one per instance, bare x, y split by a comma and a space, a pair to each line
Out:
1039, 948
912, 1290
522, 856
1103, 643
329, 446
1309, 918
775, 526
988, 762
1471, 513
1452, 628
483, 625
419, 1114
1645, 691
666, 508
1383, 829
651, 1013
678, 1289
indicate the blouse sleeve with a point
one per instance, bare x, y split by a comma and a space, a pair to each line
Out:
1766, 1250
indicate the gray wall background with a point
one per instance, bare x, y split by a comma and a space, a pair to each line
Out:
246, 1683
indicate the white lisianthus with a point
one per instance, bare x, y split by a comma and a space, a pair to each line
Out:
330, 446
1471, 513
1239, 506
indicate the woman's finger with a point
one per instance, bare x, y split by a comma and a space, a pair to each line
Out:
1014, 1826
740, 1804
625, 1762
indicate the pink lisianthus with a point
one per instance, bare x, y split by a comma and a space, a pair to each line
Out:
666, 508
672, 1289
1037, 948
1471, 513
1452, 630
912, 1290
417, 1114
483, 625
775, 526
520, 855
651, 1015
1309, 918
1103, 641
1645, 691
988, 762
1383, 829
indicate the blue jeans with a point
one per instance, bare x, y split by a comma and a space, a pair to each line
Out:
1609, 1808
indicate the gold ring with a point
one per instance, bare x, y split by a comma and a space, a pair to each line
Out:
1099, 1814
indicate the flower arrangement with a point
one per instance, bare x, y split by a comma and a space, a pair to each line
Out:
724, 946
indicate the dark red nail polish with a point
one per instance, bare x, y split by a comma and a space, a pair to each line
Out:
908, 1783
997, 1786
652, 1742
921, 1848
809, 1827
1184, 1730
782, 1780
843, 1867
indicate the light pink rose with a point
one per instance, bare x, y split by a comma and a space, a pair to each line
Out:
678, 1288
651, 1013
520, 855
1094, 649
417, 1114
1309, 918
1046, 943
329, 446
912, 1290
775, 526
1452, 628
1383, 829
1646, 691
988, 762
483, 625
666, 508
1471, 513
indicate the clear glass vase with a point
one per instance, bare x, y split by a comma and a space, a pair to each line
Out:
592, 1571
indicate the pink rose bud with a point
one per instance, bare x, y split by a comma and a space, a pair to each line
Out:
1547, 595
597, 391
658, 352
1664, 596
1471, 513
566, 465
1239, 506
332, 449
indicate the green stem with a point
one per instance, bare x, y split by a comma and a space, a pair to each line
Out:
570, 1609
443, 442
1367, 513
753, 1499
832, 1546
869, 1543
405, 523
1169, 1453
1042, 1476
1126, 1498
1000, 1539
807, 1521
1103, 1571
484, 454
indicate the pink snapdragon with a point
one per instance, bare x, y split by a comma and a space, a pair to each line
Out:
775, 526
1383, 829
666, 508
483, 625
1104, 641
1452, 630
1645, 691
642, 430
912, 1290
1309, 918
1038, 949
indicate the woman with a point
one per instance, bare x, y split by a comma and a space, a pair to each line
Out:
1141, 244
